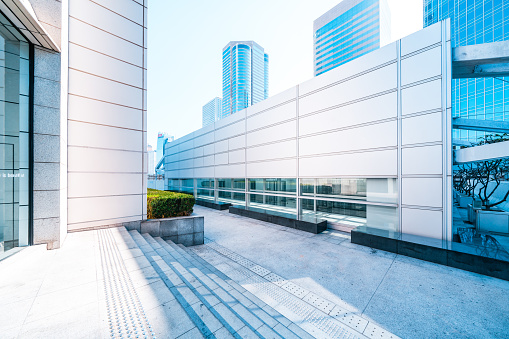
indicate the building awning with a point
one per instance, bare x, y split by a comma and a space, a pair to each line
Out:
23, 16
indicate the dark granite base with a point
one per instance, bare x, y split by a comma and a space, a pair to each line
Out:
221, 206
471, 258
287, 221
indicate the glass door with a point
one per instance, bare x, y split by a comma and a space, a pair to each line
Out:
14, 137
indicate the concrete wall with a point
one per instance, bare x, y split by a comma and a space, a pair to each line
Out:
383, 115
107, 162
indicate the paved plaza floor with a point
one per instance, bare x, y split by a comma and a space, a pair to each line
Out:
408, 297
61, 293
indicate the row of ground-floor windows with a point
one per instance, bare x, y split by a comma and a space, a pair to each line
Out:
351, 202
383, 190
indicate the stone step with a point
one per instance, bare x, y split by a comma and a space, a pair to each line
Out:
167, 317
208, 325
232, 319
241, 301
264, 312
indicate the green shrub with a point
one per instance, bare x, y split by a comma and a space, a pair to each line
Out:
166, 204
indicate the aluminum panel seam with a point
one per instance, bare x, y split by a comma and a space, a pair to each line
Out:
105, 31
356, 75
120, 15
419, 51
349, 103
400, 141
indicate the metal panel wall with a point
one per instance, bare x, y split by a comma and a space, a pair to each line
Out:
106, 113
383, 115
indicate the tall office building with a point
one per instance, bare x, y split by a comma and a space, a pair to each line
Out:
245, 76
474, 22
162, 138
211, 111
350, 29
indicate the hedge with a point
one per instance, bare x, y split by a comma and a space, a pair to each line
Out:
165, 204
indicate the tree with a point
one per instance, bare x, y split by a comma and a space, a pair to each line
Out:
481, 174
491, 171
465, 179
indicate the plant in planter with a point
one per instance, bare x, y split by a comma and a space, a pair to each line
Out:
165, 204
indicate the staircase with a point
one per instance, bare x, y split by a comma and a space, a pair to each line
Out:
208, 303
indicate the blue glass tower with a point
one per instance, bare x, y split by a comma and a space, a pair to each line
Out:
474, 22
245, 76
349, 30
211, 111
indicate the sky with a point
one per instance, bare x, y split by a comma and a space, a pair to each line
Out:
186, 39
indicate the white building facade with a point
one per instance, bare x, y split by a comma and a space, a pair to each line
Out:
368, 143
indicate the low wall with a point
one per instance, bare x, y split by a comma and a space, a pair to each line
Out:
188, 231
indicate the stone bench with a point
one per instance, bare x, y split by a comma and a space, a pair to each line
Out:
220, 206
308, 225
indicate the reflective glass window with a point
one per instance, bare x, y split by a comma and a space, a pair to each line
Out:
280, 185
205, 183
187, 183
256, 184
14, 137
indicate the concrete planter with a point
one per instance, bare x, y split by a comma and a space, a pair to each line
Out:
187, 231
464, 200
492, 221
472, 213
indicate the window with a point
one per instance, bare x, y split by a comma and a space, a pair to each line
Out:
14, 137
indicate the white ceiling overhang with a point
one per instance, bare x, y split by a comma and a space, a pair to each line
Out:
22, 15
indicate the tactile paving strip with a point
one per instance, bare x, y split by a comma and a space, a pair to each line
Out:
294, 289
319, 302
350, 319
259, 270
126, 317
276, 279
232, 255
373, 331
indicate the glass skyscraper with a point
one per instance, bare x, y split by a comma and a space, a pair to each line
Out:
474, 22
245, 76
349, 30
211, 111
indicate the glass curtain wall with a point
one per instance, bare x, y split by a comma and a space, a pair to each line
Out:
347, 201
245, 76
474, 22
231, 191
352, 202
347, 37
480, 189
14, 137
